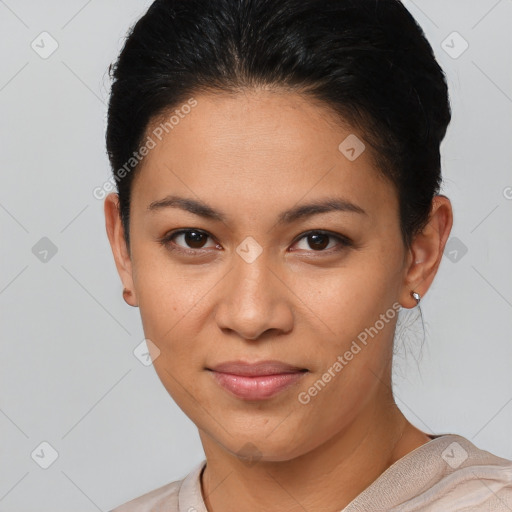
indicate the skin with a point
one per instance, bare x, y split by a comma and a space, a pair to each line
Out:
251, 156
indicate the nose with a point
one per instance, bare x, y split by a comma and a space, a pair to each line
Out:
254, 301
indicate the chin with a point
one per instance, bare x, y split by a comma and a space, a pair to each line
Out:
263, 447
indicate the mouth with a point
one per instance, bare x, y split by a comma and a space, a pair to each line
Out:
256, 381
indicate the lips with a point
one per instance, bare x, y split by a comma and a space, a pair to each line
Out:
256, 369
256, 381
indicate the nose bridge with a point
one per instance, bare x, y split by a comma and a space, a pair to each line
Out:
253, 300
252, 276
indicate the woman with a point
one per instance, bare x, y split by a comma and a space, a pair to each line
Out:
278, 171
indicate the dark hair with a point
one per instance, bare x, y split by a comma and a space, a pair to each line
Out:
367, 60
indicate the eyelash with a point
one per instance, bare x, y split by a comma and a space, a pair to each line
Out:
167, 241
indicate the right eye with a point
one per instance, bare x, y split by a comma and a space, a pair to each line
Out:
187, 240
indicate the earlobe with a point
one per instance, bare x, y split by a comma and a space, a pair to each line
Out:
115, 233
426, 252
128, 297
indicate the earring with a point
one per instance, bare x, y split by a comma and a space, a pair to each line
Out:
416, 296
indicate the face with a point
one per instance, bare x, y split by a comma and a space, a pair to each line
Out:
255, 238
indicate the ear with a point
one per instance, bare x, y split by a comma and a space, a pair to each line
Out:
426, 251
122, 258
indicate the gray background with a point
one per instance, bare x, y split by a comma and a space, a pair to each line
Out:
68, 373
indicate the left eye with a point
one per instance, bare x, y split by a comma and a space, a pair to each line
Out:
319, 241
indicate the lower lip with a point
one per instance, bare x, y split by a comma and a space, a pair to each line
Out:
256, 388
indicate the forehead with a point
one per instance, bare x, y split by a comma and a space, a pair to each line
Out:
261, 148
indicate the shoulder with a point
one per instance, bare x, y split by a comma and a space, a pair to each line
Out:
448, 473
166, 498
460, 476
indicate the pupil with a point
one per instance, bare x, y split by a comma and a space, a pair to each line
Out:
318, 241
194, 239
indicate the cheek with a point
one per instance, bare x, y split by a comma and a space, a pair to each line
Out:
171, 319
168, 310
168, 295
343, 302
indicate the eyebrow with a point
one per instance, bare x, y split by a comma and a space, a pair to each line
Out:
202, 209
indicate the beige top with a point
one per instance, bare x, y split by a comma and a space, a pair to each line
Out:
446, 474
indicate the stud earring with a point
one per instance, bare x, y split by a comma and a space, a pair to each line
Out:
416, 296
